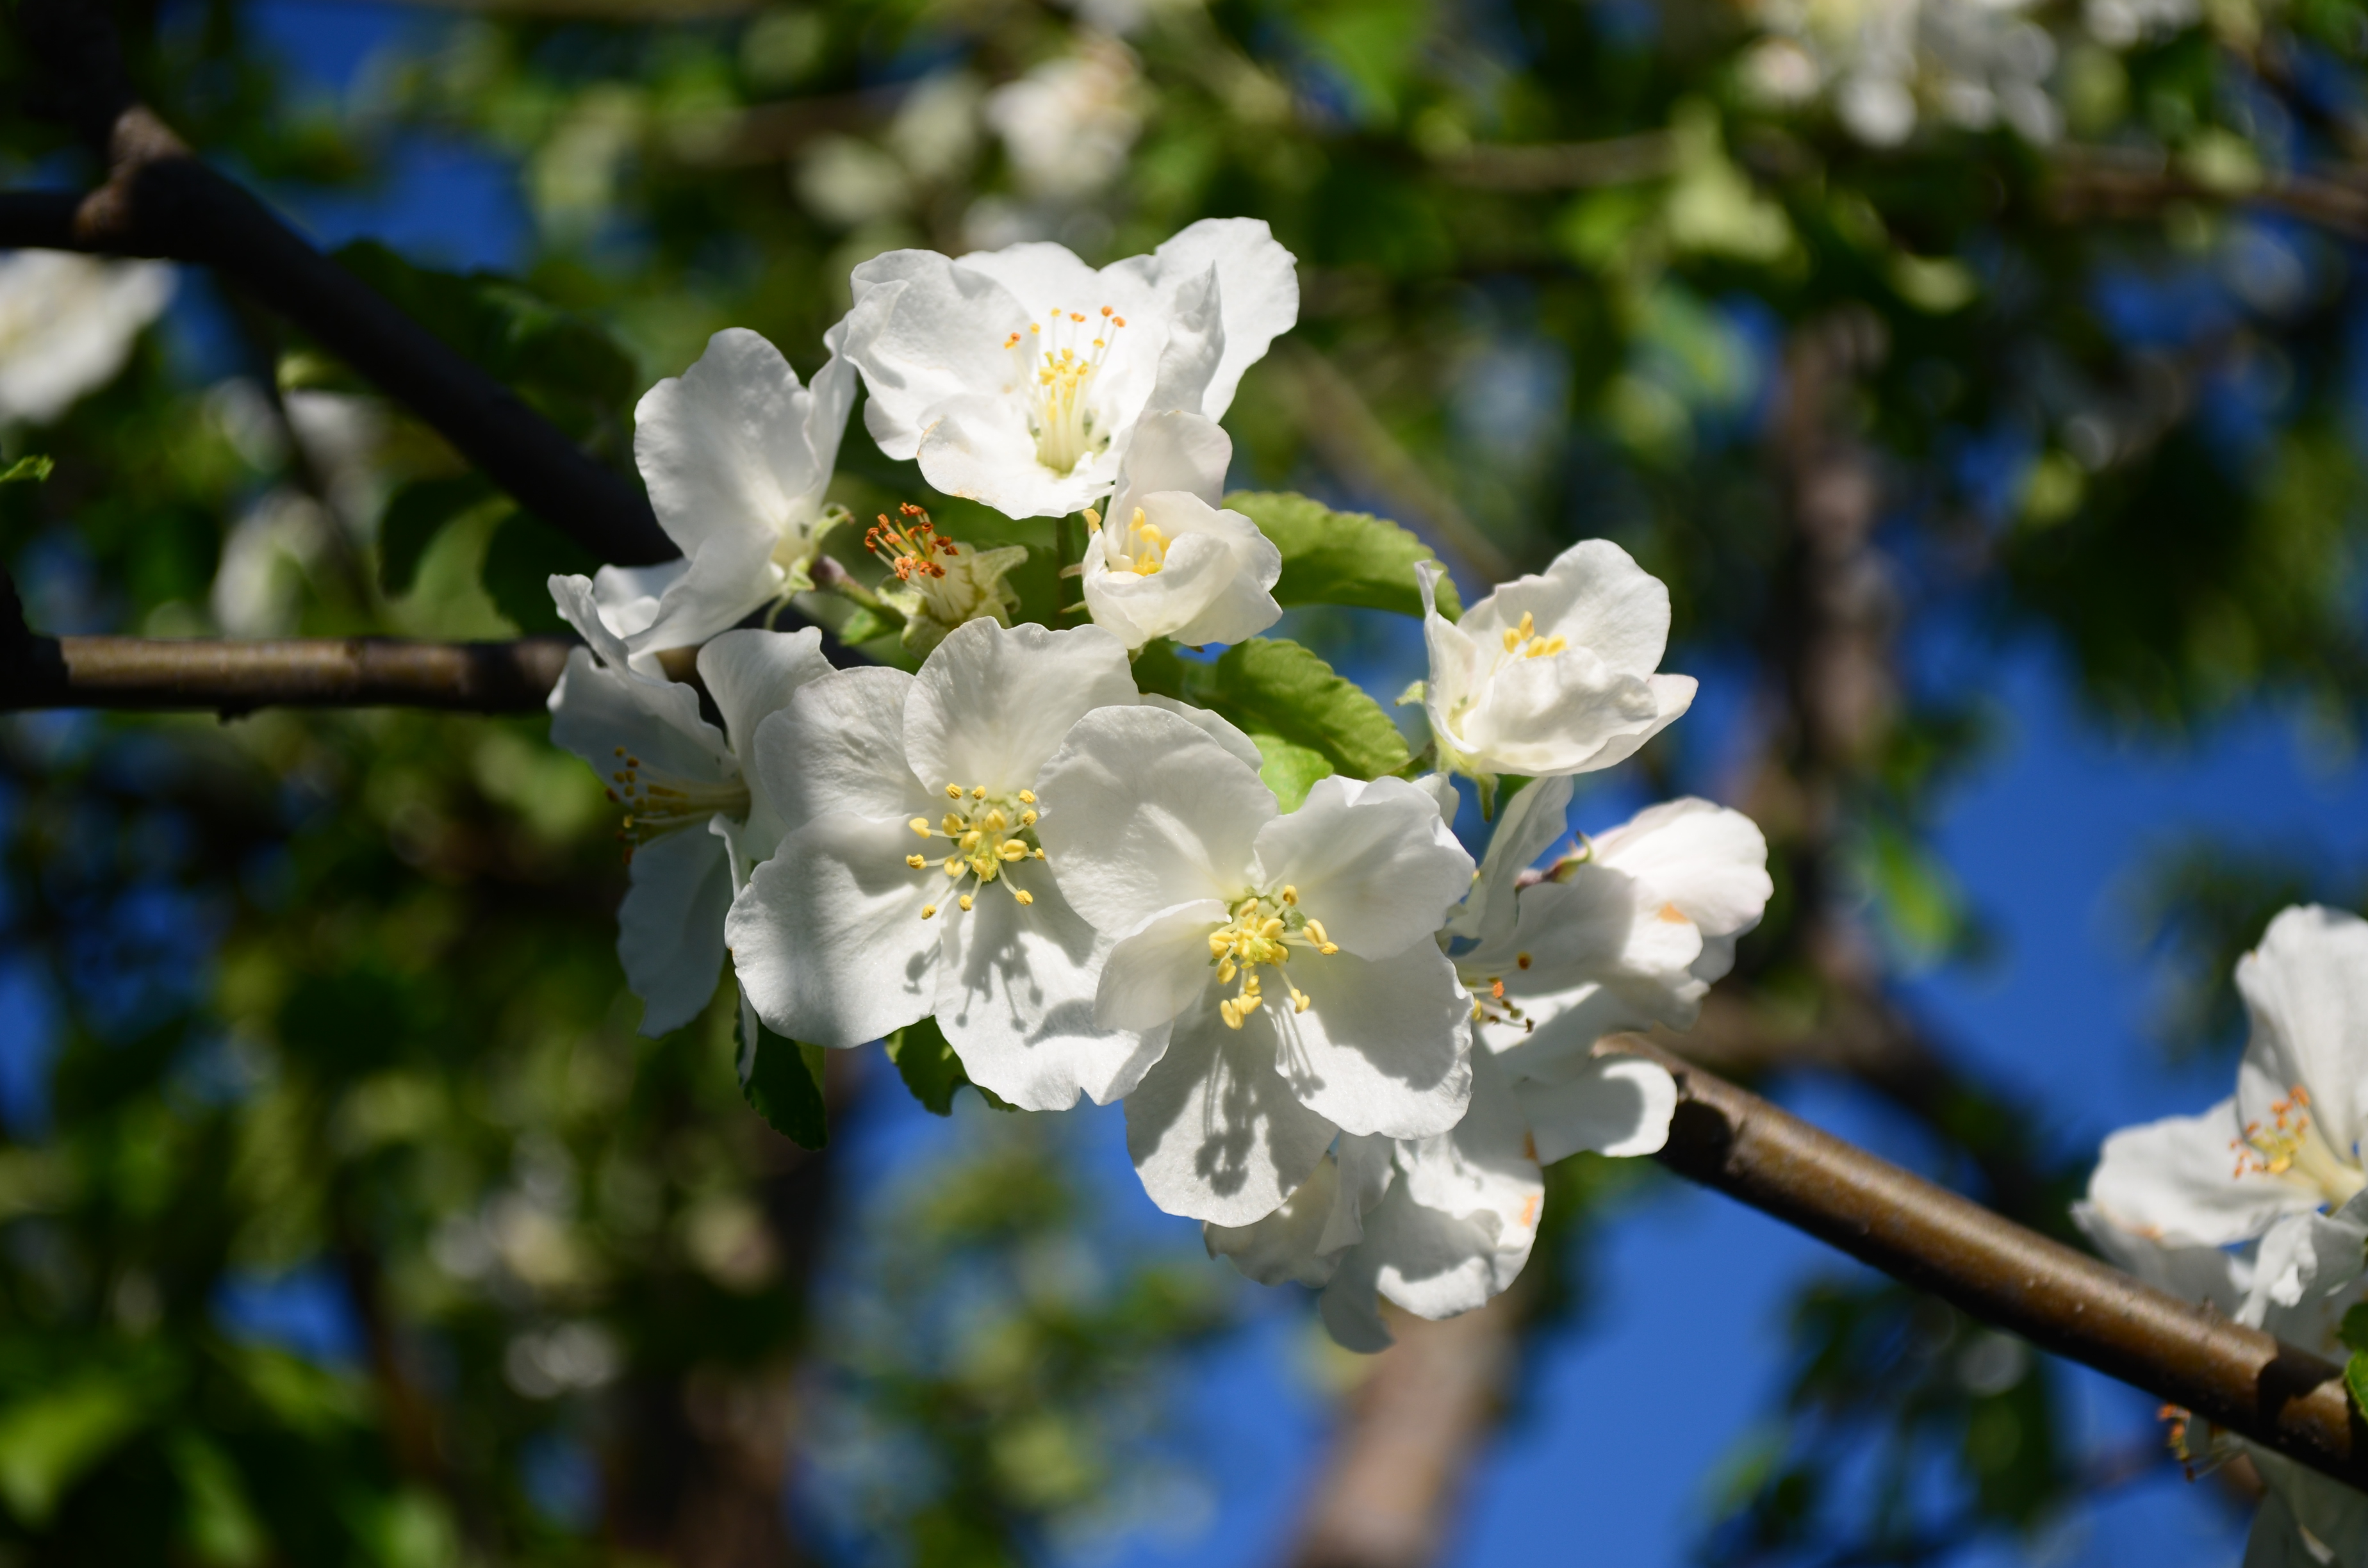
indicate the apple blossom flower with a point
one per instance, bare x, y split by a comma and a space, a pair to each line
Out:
941, 582
737, 456
1630, 932
1169, 561
913, 880
697, 819
1890, 62
1551, 673
1068, 124
67, 323
1017, 376
1285, 963
2296, 1282
2288, 1141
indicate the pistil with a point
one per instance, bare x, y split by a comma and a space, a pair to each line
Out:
1060, 383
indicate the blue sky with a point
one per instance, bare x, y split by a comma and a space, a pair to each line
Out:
1624, 1423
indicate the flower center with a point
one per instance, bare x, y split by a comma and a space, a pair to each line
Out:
2293, 1147
1140, 547
657, 804
1523, 642
1263, 930
1490, 1003
1058, 372
988, 832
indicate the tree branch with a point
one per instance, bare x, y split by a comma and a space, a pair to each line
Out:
2063, 1302
160, 201
231, 678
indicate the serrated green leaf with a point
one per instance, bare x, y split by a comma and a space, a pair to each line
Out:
1341, 558
784, 1085
1276, 690
520, 560
415, 515
928, 1064
31, 470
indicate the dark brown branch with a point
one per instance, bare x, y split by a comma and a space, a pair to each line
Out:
2063, 1302
1561, 166
160, 201
2093, 182
238, 677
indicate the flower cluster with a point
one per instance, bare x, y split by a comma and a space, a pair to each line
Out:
2256, 1206
1340, 1045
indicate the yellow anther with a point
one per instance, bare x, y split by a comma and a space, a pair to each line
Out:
1299, 1000
978, 791
996, 820
920, 826
916, 861
951, 827
928, 910
1093, 521
964, 901
1217, 944
620, 751
1028, 819
1013, 851
1038, 854
1521, 960
956, 865
1272, 929
1230, 1013
1289, 893
1022, 896
1027, 797
1225, 971
953, 791
971, 840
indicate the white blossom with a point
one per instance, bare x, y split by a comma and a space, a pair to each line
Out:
67, 323
2288, 1141
1017, 376
1551, 673
697, 819
1286, 963
1169, 561
913, 880
736, 455
1886, 63
941, 582
1068, 125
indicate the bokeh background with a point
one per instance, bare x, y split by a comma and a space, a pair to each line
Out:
1988, 379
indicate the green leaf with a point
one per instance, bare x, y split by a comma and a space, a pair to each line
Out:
928, 1064
1341, 558
2355, 1378
414, 515
219, 1523
1289, 770
519, 562
782, 1081
1278, 691
34, 469
48, 1441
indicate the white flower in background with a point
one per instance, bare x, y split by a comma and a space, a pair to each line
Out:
67, 323
1168, 561
913, 880
2118, 24
737, 456
1888, 62
1068, 125
1285, 963
1554, 674
1017, 376
1630, 931
1442, 1226
698, 818
941, 584
2288, 1141
2296, 1282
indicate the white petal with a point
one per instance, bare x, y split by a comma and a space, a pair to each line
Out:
1709, 861
2308, 1520
1383, 1047
978, 447
827, 936
1618, 1105
595, 710
752, 676
1675, 694
1195, 344
2192, 1274
1373, 861
993, 702
578, 603
1283, 1248
1486, 1164
840, 747
2302, 1265
1177, 450
1218, 728
1016, 1000
1432, 1264
730, 575
1555, 714
2306, 989
1536, 819
1159, 967
627, 597
1201, 595
1244, 604
922, 330
1350, 1306
1604, 927
1215, 1134
2173, 1181
1040, 276
1596, 596
1144, 812
1259, 285
670, 926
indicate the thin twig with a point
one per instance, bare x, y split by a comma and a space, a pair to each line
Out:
231, 678
1561, 165
2063, 1302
